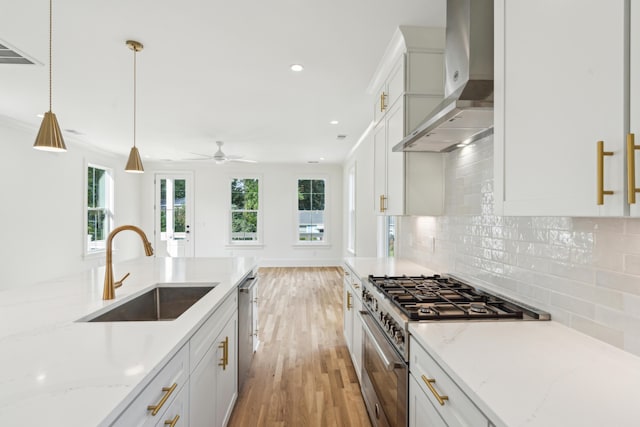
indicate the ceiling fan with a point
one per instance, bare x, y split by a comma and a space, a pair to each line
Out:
219, 157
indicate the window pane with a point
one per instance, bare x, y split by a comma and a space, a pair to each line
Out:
304, 204
163, 205
96, 187
244, 194
179, 209
318, 186
317, 202
244, 225
304, 186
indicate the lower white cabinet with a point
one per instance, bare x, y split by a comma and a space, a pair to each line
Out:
199, 385
213, 386
421, 411
434, 393
151, 404
177, 415
352, 305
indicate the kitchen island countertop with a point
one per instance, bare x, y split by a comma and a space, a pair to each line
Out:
55, 370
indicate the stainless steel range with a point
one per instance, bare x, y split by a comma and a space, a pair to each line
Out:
393, 302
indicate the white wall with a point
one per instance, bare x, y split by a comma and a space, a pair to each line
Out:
42, 207
279, 192
584, 271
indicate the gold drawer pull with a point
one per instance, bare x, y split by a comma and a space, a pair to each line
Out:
601, 191
173, 422
355, 285
224, 345
383, 106
167, 392
429, 382
631, 169
349, 300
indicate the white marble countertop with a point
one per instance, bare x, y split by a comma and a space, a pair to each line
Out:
532, 373
57, 371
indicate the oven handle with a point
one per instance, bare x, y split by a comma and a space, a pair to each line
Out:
375, 336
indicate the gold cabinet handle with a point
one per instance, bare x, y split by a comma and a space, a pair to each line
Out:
349, 300
224, 361
601, 191
383, 105
355, 285
429, 382
167, 392
631, 169
173, 422
383, 204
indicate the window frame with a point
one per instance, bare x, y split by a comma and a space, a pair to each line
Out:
327, 206
259, 227
352, 217
110, 208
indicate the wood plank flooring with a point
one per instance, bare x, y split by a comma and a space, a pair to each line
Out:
302, 373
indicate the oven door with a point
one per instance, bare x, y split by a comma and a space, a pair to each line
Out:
385, 377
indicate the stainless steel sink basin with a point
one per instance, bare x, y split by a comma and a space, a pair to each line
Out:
159, 303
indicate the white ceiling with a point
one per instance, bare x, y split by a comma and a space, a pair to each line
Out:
210, 70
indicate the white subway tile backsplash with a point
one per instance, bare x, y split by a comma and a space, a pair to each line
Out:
584, 271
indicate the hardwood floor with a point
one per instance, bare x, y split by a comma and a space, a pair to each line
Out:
302, 373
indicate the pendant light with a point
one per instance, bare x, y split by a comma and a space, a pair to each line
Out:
134, 164
49, 136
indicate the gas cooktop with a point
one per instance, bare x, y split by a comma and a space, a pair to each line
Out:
442, 298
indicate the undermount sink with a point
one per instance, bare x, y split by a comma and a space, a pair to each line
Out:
163, 302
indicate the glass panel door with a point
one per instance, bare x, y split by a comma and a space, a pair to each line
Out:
174, 215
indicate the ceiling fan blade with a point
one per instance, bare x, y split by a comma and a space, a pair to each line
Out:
241, 160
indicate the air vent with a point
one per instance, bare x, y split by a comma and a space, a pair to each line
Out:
341, 137
10, 55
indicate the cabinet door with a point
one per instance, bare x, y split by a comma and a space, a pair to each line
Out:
558, 92
379, 168
202, 390
227, 375
356, 345
347, 313
395, 161
421, 411
634, 92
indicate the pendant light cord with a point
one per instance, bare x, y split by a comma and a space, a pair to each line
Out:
50, 55
134, 96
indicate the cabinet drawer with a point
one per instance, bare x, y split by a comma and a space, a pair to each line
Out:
205, 336
351, 279
178, 413
457, 410
161, 392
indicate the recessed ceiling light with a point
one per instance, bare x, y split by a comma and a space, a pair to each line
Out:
334, 122
297, 67
321, 158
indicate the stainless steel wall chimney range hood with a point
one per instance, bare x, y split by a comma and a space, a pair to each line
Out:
466, 113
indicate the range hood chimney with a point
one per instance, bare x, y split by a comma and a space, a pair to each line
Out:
466, 113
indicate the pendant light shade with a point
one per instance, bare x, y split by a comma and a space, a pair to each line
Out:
134, 164
49, 137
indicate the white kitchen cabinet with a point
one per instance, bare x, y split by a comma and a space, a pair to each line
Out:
177, 415
421, 411
412, 76
441, 392
213, 385
352, 324
150, 405
558, 92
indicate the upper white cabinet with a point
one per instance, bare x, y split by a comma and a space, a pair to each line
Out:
407, 85
562, 79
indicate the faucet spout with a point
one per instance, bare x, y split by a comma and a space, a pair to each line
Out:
109, 291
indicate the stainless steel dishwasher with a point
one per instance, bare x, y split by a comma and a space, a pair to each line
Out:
247, 325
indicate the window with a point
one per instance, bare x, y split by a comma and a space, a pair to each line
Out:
311, 207
351, 210
173, 196
99, 207
245, 209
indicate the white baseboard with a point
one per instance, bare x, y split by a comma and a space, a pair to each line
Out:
297, 262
